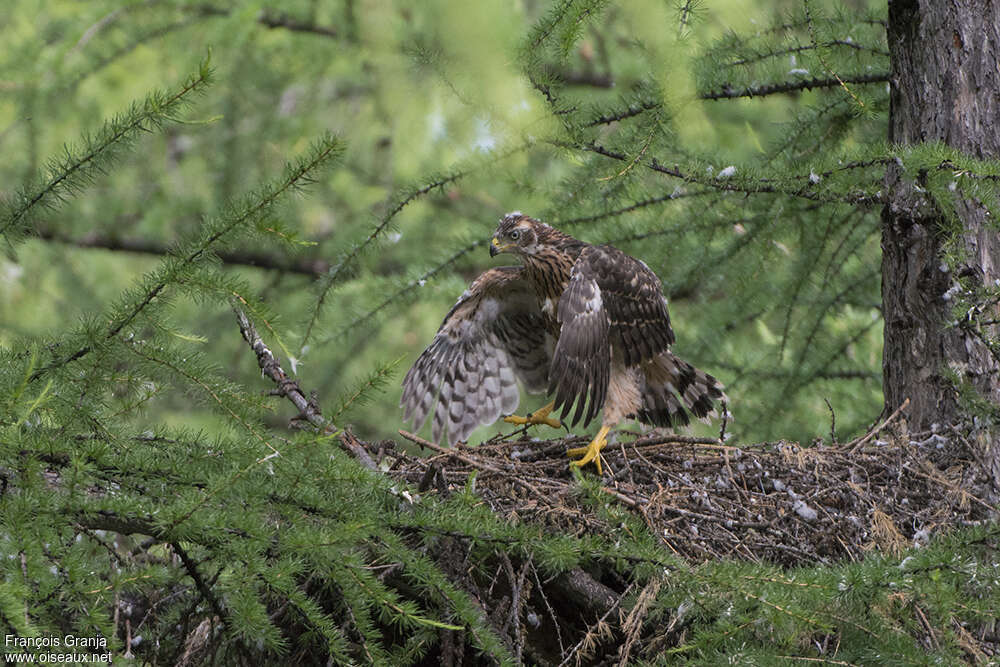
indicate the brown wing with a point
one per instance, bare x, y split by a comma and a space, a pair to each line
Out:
582, 359
493, 336
612, 300
633, 297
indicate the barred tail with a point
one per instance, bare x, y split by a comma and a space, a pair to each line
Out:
672, 387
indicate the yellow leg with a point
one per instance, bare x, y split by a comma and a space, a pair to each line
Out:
591, 452
539, 416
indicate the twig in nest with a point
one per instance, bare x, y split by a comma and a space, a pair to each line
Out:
475, 463
853, 446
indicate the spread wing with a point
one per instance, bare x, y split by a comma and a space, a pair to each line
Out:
612, 301
582, 359
493, 336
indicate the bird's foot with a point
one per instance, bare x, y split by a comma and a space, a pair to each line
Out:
591, 452
539, 416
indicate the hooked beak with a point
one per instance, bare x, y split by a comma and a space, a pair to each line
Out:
495, 248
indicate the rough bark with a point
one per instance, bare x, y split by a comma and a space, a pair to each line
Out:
945, 86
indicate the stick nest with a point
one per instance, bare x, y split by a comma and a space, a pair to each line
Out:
776, 502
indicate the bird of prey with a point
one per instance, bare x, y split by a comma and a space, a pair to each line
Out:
587, 324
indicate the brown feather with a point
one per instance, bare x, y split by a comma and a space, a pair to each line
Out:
492, 337
605, 310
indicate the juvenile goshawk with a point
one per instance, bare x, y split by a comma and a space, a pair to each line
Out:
587, 324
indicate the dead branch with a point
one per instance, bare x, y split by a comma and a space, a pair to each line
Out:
288, 388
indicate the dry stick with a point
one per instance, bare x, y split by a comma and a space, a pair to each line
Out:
288, 388
679, 439
852, 446
416, 439
552, 613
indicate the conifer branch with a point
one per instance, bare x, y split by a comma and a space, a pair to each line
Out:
268, 18
729, 92
735, 42
358, 396
777, 53
760, 186
381, 227
630, 112
77, 168
409, 287
206, 592
139, 40
100, 25
822, 59
273, 19
865, 278
807, 123
210, 391
295, 177
685, 11
642, 203
546, 26
387, 599
334, 274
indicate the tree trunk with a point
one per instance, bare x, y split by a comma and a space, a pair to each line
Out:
945, 86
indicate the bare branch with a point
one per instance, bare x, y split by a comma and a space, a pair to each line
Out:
271, 19
203, 588
288, 388
307, 266
582, 78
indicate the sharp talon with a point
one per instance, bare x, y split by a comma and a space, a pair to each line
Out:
540, 416
592, 452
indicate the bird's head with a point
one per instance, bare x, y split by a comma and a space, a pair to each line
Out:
517, 234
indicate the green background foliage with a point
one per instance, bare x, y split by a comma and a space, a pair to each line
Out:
448, 110
335, 169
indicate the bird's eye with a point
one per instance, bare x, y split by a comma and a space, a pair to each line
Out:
515, 235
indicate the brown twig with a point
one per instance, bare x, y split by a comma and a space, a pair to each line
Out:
853, 445
288, 388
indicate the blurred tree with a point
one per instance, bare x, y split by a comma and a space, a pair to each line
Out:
150, 494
